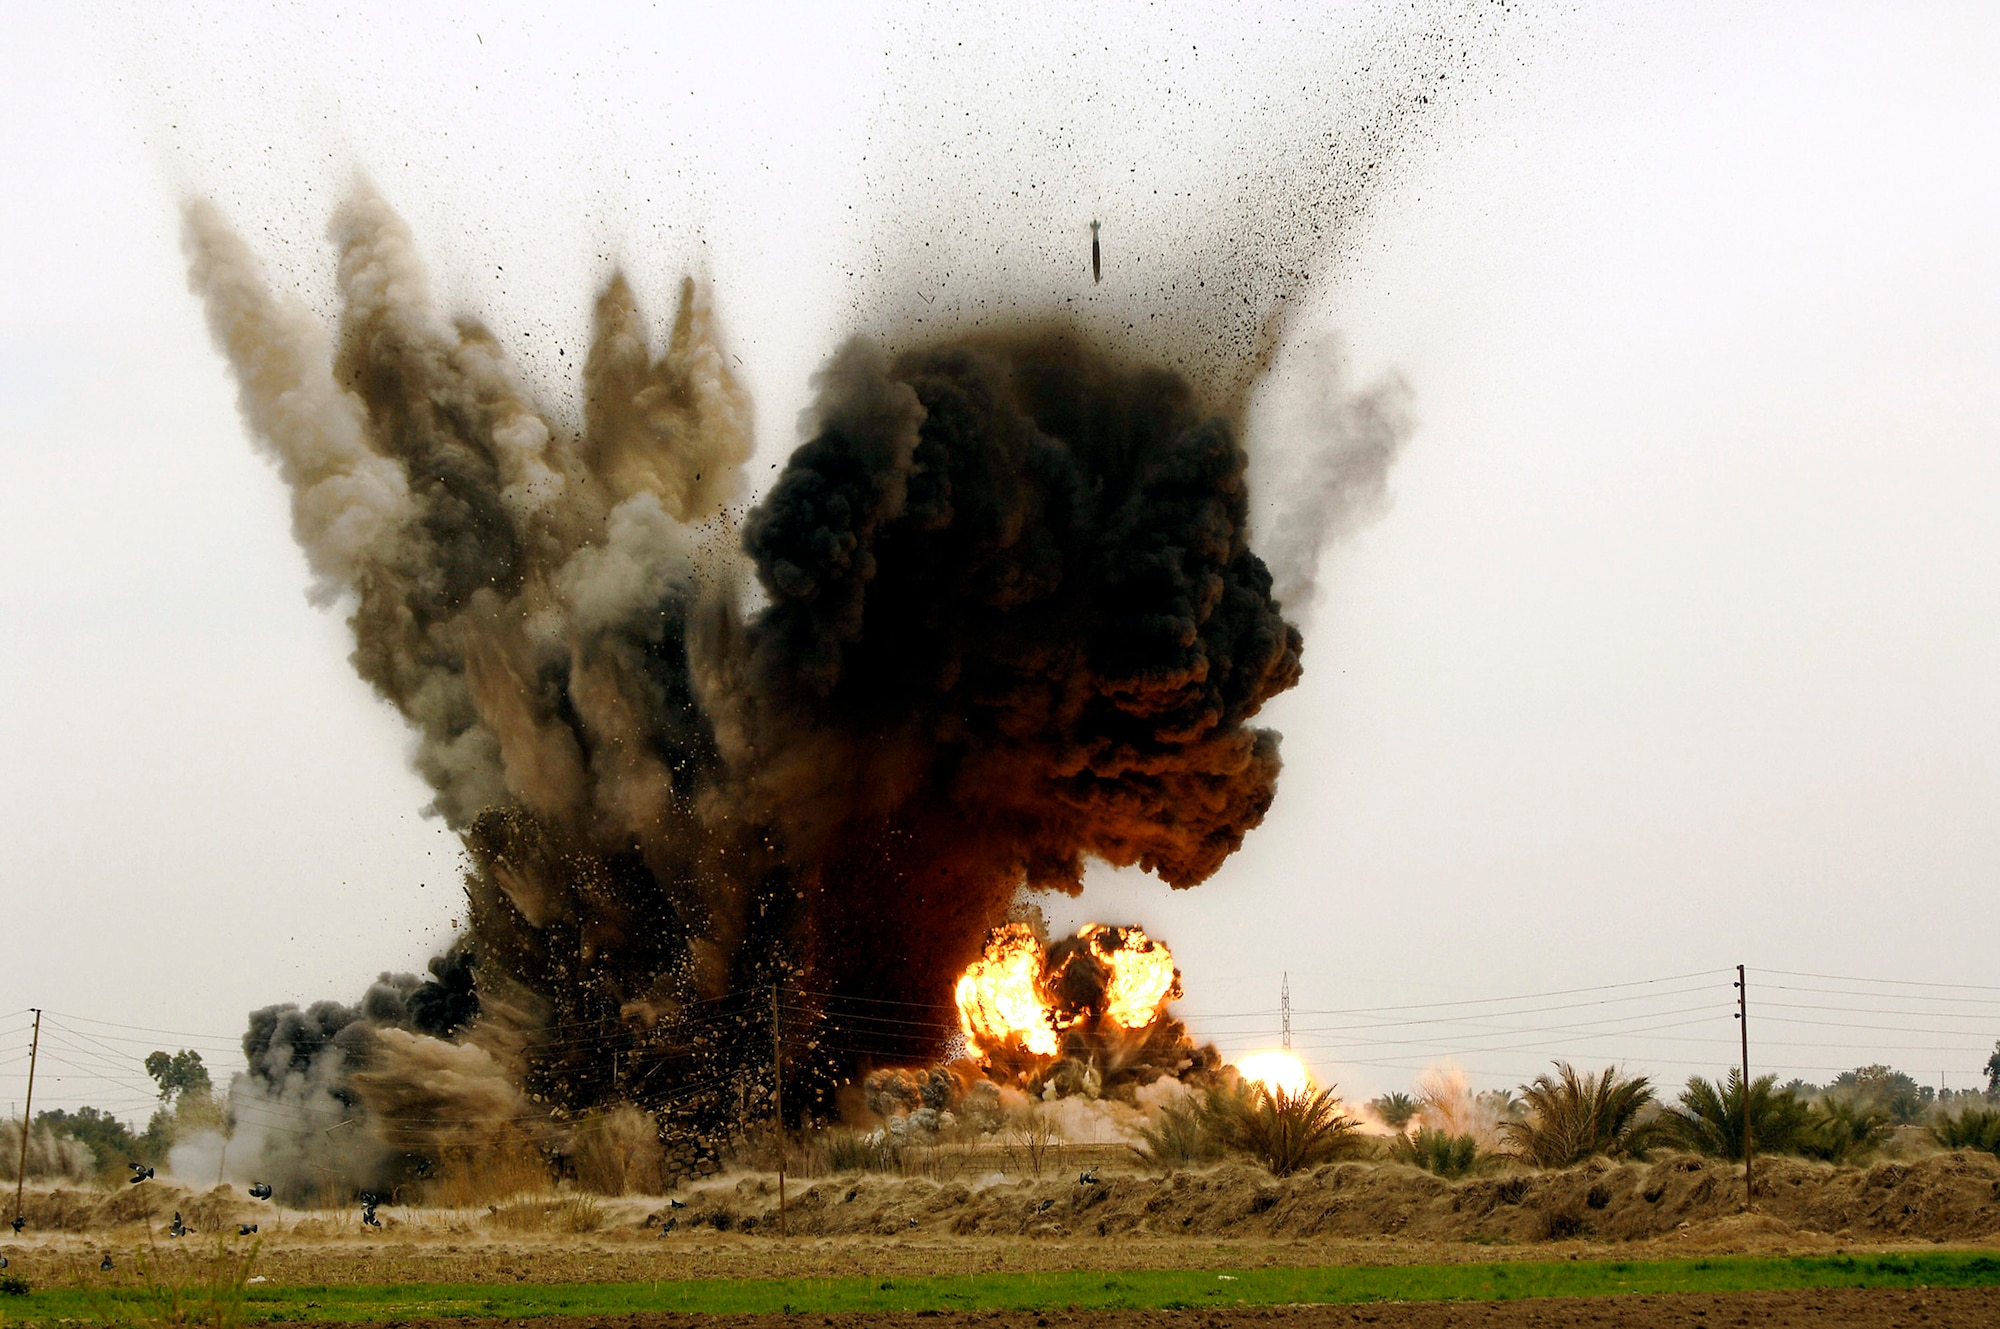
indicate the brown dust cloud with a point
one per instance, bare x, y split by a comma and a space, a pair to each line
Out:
998, 616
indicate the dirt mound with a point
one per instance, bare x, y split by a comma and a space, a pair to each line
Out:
1943, 1197
150, 1204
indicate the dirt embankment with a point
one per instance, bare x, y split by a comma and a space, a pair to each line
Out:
1952, 1197
1944, 1197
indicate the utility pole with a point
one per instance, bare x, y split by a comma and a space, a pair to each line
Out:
27, 1117
1743, 1023
778, 1084
1285, 1011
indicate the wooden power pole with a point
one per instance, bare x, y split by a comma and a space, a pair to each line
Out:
778, 1087
1743, 1025
27, 1117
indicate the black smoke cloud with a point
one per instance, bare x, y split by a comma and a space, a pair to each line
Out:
1015, 624
1010, 622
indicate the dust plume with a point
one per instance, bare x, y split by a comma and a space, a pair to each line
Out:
1010, 622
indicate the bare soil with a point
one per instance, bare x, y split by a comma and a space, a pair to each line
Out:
1847, 1308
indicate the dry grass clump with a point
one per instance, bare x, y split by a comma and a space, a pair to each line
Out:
467, 1177
617, 1152
845, 1150
565, 1213
181, 1285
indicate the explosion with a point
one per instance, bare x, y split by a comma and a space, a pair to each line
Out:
1279, 1072
1000, 995
1143, 977
1009, 621
1020, 995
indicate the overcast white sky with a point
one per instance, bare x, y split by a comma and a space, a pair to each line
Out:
1676, 649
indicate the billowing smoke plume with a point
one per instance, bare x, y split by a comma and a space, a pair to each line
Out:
1340, 480
1010, 623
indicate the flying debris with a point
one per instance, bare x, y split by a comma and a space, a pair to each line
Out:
1096, 257
998, 617
140, 1172
260, 1190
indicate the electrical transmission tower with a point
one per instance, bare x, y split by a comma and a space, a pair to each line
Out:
1285, 1011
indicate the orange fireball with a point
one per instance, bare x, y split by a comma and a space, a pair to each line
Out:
1000, 995
1143, 977
1278, 1072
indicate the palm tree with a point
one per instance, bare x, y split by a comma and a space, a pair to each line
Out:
1709, 1120
1395, 1109
1841, 1128
1971, 1127
1449, 1156
1285, 1132
1572, 1117
1181, 1136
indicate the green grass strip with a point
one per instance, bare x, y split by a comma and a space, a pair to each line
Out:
1084, 1290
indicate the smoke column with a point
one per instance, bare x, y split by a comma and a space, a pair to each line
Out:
1010, 622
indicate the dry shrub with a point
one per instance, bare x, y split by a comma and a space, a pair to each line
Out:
468, 1176
845, 1150
567, 1213
617, 1152
1034, 1142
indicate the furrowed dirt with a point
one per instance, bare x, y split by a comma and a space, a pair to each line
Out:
1849, 1308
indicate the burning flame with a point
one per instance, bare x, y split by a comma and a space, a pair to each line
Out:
1009, 996
1279, 1072
1000, 997
1142, 975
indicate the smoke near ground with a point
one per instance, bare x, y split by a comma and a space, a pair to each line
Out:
1007, 620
